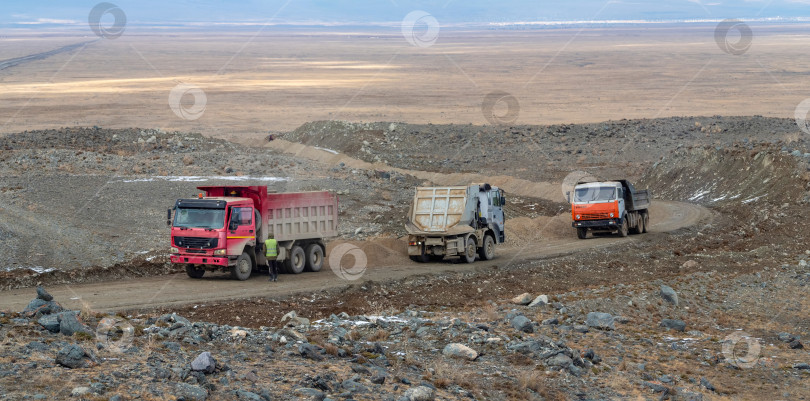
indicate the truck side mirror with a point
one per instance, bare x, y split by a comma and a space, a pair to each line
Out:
169, 217
568, 196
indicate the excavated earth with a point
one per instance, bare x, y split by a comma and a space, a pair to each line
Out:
715, 310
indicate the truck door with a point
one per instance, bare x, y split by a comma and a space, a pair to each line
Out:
240, 225
620, 197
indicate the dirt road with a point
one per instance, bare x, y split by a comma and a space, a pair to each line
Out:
180, 289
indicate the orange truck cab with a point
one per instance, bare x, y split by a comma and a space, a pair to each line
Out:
609, 206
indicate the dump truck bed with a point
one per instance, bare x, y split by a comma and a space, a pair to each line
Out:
442, 210
637, 199
302, 215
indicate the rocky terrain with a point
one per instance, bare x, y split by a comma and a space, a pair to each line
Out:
717, 310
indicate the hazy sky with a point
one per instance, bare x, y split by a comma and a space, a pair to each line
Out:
363, 11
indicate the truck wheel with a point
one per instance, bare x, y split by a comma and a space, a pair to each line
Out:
243, 268
297, 261
314, 257
623, 229
194, 271
646, 218
469, 251
487, 252
642, 228
582, 233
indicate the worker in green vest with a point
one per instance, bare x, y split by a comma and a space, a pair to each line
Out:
271, 253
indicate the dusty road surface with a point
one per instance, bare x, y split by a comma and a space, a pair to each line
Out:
180, 289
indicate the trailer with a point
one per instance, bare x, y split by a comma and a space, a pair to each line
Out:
224, 229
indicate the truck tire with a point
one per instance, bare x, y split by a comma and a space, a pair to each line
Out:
487, 252
469, 251
582, 233
297, 261
637, 228
624, 229
243, 267
314, 257
642, 228
646, 218
194, 271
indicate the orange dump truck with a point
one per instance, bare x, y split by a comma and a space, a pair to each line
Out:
609, 206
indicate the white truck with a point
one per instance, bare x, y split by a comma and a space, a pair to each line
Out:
455, 221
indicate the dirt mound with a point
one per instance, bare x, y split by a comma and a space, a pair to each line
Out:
522, 231
378, 252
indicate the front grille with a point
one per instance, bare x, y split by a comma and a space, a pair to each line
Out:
594, 216
196, 242
201, 251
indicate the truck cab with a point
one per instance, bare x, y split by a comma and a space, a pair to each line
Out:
609, 206
215, 233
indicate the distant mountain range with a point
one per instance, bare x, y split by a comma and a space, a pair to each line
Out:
34, 13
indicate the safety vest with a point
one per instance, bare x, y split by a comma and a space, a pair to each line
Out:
270, 248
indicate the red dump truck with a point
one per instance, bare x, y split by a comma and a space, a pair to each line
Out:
609, 206
225, 228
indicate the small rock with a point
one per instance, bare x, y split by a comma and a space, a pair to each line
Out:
522, 323
802, 366
309, 394
689, 264
786, 337
50, 323
43, 295
706, 384
152, 139
191, 392
600, 320
70, 324
420, 393
669, 294
552, 321
796, 344
559, 361
204, 363
522, 299
79, 391
541, 300
674, 324
310, 351
456, 350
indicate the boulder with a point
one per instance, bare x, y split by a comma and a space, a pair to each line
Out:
539, 301
522, 323
74, 356
522, 299
310, 351
456, 350
309, 394
669, 295
43, 295
70, 324
674, 324
600, 320
204, 363
50, 323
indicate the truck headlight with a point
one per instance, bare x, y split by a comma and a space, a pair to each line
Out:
174, 250
611, 215
219, 252
577, 217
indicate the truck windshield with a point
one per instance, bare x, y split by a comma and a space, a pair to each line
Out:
199, 218
595, 194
